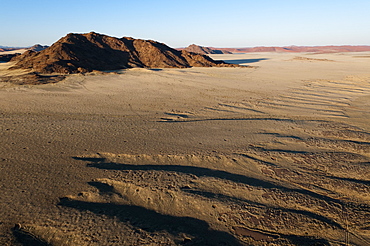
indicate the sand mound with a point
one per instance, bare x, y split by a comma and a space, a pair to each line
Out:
76, 53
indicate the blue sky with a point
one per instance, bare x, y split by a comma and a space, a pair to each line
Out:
178, 23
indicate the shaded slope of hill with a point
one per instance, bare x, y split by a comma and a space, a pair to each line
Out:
7, 57
77, 53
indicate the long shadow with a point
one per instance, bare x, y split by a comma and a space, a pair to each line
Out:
262, 149
104, 188
281, 135
295, 239
232, 119
245, 119
201, 171
221, 197
241, 61
318, 138
299, 240
258, 160
181, 115
152, 221
198, 171
358, 181
27, 239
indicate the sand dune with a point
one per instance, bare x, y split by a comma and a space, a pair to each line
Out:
277, 154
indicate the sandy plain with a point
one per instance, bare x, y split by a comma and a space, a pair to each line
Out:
276, 154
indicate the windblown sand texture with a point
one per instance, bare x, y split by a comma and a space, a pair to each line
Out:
278, 154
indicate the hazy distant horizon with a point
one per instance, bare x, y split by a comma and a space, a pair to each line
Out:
285, 46
245, 47
235, 24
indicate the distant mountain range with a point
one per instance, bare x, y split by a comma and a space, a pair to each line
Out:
314, 49
36, 47
10, 47
212, 50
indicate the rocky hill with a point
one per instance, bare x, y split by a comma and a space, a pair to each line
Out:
77, 53
205, 50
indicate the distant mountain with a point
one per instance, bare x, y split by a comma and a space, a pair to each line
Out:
2, 48
204, 50
315, 49
38, 47
76, 53
10, 47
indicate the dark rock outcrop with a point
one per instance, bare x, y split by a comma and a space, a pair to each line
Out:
32, 79
8, 57
78, 53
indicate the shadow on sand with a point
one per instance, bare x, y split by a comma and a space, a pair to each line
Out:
201, 171
242, 61
203, 235
152, 221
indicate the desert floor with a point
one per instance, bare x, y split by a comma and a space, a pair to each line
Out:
274, 154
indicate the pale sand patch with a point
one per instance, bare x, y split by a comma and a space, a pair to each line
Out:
13, 51
4, 70
273, 154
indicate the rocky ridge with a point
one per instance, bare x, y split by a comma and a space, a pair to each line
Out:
80, 53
